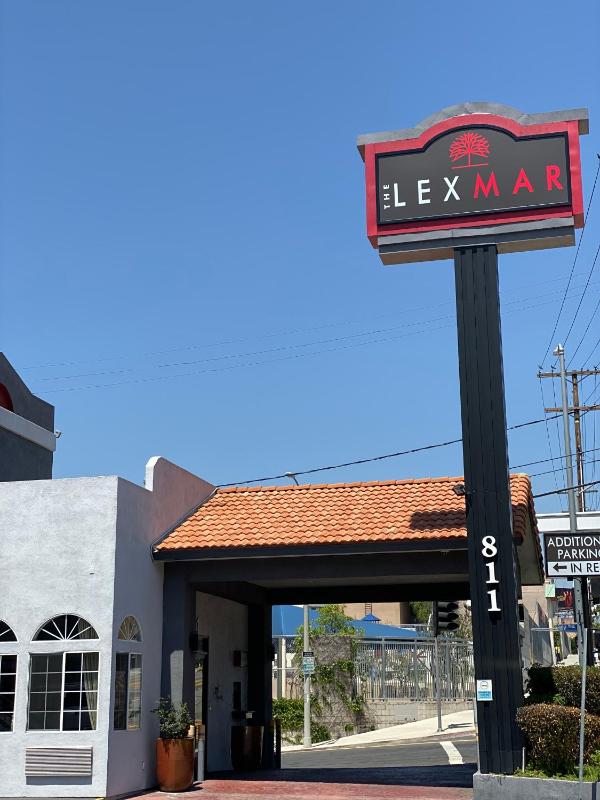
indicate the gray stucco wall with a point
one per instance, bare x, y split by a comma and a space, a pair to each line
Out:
57, 549
144, 514
20, 459
226, 625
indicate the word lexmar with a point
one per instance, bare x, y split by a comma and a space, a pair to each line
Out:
483, 187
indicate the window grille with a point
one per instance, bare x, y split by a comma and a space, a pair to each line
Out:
65, 627
63, 691
130, 630
128, 691
8, 677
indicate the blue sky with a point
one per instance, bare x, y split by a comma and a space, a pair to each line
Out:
184, 266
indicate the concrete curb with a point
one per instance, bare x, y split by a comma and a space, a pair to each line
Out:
510, 787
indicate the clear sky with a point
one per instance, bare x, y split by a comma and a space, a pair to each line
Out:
184, 266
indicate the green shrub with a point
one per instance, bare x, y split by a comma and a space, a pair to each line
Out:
318, 732
290, 713
540, 684
562, 686
551, 735
568, 685
174, 720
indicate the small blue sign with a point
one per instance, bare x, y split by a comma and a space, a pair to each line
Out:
567, 628
484, 691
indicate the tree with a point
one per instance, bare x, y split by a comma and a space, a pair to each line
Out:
421, 611
335, 705
331, 620
467, 145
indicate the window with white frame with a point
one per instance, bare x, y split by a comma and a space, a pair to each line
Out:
128, 691
63, 691
8, 678
6, 632
65, 627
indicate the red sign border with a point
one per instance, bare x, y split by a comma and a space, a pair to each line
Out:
571, 128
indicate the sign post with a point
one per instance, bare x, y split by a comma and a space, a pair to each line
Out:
466, 184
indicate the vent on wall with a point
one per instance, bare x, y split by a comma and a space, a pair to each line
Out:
57, 762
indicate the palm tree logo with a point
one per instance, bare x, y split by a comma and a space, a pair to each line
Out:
467, 145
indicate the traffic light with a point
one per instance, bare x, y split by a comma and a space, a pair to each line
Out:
445, 616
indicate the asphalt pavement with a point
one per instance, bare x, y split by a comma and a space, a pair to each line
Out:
452, 752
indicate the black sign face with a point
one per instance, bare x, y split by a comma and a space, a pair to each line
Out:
476, 170
572, 554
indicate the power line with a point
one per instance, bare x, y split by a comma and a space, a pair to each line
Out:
580, 303
546, 460
594, 312
577, 311
371, 459
158, 378
562, 491
277, 334
549, 471
562, 305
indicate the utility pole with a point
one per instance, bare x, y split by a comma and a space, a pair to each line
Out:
307, 737
576, 410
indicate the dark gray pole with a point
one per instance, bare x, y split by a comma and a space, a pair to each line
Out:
493, 576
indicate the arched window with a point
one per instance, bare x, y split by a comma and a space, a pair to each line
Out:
5, 398
65, 627
130, 630
128, 679
6, 633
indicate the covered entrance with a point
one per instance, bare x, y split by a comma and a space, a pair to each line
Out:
246, 549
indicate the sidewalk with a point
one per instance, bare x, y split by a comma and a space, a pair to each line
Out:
459, 722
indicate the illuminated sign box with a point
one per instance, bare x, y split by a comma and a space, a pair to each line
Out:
472, 174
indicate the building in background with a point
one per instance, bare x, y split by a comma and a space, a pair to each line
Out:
27, 438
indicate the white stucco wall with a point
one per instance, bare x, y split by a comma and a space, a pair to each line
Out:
57, 548
83, 546
225, 623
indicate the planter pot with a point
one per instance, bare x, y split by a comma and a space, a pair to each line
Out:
510, 787
174, 764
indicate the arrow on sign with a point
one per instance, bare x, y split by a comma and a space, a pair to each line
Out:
558, 567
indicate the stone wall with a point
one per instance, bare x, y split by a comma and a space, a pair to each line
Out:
333, 695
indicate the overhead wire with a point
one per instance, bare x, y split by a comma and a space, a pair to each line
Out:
566, 489
562, 305
371, 459
577, 312
158, 378
278, 334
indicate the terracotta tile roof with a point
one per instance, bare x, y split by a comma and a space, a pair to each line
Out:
385, 511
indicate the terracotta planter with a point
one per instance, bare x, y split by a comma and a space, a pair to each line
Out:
174, 764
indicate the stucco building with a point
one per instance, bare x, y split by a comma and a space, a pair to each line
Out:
114, 594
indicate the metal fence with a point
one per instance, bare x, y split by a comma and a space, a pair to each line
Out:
387, 669
405, 670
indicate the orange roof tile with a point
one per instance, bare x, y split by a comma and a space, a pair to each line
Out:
323, 514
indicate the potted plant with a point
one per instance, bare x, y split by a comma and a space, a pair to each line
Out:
174, 748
